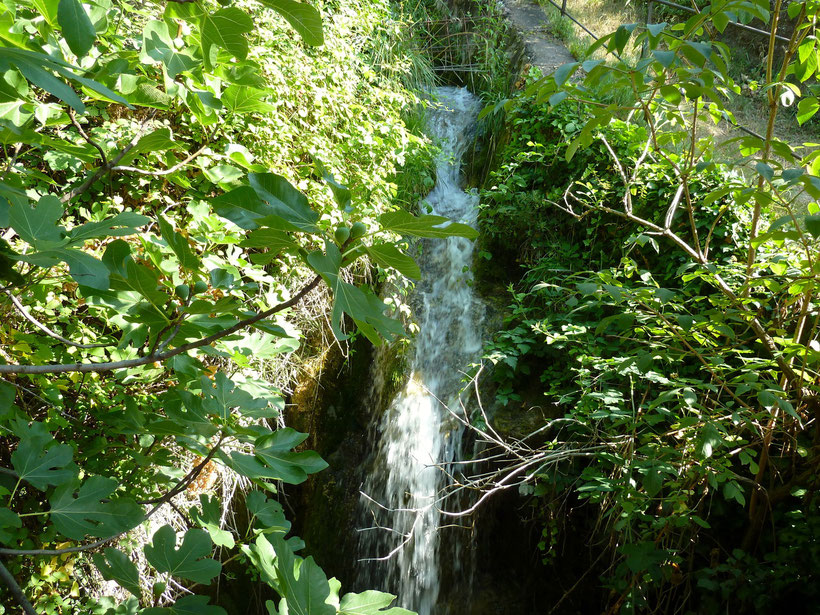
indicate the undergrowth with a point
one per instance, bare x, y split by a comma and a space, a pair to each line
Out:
644, 359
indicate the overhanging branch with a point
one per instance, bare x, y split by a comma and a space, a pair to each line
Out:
159, 356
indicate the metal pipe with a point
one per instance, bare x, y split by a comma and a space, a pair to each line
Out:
742, 26
575, 21
649, 17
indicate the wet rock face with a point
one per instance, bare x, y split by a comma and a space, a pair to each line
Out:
328, 403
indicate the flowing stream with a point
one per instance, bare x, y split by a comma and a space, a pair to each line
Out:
419, 437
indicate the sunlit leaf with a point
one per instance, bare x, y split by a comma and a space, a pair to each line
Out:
304, 18
226, 28
189, 561
405, 223
76, 26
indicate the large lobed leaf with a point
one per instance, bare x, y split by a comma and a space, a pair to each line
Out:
366, 309
92, 512
42, 466
388, 255
114, 565
158, 45
190, 561
292, 467
301, 583
187, 605
209, 518
38, 69
370, 603
304, 18
226, 28
39, 459
269, 201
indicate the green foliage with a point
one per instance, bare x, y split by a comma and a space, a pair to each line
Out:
92, 512
304, 587
666, 309
187, 562
168, 196
115, 566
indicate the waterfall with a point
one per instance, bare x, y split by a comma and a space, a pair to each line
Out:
418, 436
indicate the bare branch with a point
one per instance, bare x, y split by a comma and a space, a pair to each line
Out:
673, 208
15, 590
164, 172
27, 315
72, 115
158, 356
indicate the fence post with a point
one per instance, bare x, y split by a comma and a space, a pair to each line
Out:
564, 8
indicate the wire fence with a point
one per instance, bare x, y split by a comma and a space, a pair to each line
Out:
649, 16
449, 43
689, 9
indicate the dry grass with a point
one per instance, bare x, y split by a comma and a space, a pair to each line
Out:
599, 16
604, 16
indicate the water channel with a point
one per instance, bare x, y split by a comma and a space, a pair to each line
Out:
418, 436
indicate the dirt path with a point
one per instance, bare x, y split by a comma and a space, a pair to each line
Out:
543, 50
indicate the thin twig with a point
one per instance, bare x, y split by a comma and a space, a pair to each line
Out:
27, 315
759, 330
73, 117
11, 160
106, 168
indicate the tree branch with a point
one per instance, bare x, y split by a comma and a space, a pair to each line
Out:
158, 356
760, 331
188, 478
72, 115
21, 308
173, 169
15, 590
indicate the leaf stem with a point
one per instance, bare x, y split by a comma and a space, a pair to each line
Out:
14, 492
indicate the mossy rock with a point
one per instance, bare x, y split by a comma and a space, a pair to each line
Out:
518, 421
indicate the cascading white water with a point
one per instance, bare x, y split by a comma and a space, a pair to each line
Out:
418, 435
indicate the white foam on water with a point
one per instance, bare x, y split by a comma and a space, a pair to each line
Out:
418, 435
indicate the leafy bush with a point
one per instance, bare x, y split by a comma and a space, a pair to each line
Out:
169, 204
662, 312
